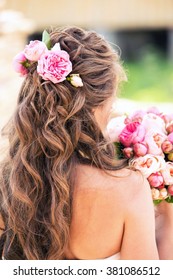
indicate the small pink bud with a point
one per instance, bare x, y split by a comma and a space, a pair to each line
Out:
19, 62
127, 120
169, 128
167, 146
155, 179
170, 190
128, 152
170, 137
140, 149
170, 156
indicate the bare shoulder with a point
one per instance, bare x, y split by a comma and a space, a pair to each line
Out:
104, 199
119, 194
121, 184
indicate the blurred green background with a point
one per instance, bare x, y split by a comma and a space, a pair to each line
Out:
150, 78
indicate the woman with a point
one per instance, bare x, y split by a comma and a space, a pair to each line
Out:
63, 194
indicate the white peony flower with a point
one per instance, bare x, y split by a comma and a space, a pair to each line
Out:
151, 121
167, 173
148, 164
115, 127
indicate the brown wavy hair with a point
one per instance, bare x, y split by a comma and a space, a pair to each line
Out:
53, 130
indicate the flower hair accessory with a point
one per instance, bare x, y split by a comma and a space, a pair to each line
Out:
53, 64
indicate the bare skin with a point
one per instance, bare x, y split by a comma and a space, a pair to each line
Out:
111, 215
164, 230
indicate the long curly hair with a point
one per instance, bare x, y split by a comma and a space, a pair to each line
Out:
52, 130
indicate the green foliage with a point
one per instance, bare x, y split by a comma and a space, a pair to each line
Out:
119, 147
150, 79
157, 201
169, 199
46, 39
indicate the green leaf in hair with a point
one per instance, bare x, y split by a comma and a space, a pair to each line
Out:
46, 39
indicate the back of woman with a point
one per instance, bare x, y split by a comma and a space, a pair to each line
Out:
113, 216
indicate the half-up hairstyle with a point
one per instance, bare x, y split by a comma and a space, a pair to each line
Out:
52, 130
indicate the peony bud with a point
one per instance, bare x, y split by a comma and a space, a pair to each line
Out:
170, 137
140, 149
155, 193
155, 179
167, 146
169, 128
170, 156
170, 190
127, 120
75, 80
163, 193
20, 64
128, 152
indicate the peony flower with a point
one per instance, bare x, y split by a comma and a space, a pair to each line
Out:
151, 121
167, 173
75, 80
167, 147
54, 65
155, 193
140, 149
34, 50
132, 133
19, 63
163, 193
153, 110
148, 164
114, 127
155, 179
167, 118
137, 116
154, 141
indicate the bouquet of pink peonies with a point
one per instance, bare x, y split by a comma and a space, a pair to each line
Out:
145, 138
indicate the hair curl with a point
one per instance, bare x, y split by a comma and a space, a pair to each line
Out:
52, 130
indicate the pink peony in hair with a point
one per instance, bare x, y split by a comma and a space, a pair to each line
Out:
54, 65
19, 64
34, 50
